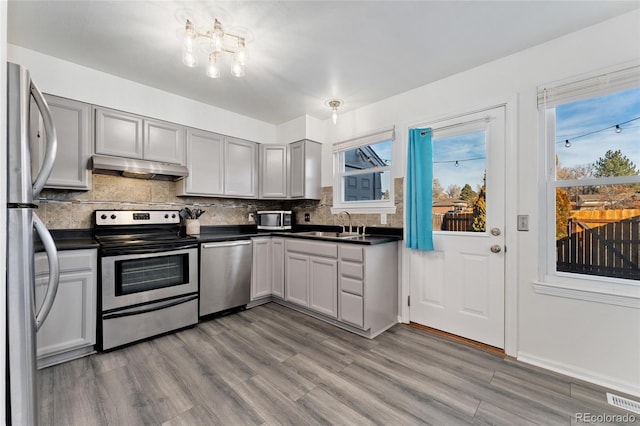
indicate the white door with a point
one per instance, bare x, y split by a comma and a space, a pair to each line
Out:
459, 287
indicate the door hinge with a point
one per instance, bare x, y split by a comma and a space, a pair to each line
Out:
408, 300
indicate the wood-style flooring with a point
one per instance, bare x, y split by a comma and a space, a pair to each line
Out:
272, 365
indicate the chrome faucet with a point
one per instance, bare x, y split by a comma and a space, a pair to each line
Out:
348, 215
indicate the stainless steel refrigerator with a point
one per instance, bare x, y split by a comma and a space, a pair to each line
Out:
23, 317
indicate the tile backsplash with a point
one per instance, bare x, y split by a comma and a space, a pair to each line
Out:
68, 209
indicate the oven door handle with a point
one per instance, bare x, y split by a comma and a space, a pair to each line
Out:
150, 307
144, 250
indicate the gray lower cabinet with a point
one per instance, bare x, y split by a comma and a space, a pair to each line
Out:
70, 329
73, 130
261, 276
367, 286
277, 267
311, 275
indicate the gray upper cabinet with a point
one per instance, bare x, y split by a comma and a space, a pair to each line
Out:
241, 168
163, 142
273, 171
73, 130
118, 133
305, 169
205, 154
127, 135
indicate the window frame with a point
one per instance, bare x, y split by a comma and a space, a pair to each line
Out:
386, 206
595, 288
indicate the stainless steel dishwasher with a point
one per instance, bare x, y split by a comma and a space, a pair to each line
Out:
225, 275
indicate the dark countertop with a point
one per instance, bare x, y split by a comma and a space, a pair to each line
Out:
78, 239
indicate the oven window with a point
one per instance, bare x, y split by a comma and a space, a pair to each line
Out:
137, 275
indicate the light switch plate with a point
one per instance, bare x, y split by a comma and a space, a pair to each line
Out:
523, 222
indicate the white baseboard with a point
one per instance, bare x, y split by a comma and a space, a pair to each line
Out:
580, 373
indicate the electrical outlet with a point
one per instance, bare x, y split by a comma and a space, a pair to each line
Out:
523, 222
383, 218
307, 217
251, 217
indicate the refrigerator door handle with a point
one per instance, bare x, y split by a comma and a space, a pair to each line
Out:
51, 142
54, 270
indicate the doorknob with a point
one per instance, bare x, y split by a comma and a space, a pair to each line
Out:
496, 248
495, 231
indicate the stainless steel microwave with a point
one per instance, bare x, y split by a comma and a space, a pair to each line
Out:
274, 219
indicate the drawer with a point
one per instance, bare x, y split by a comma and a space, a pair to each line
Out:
314, 248
350, 269
351, 285
352, 309
351, 252
69, 261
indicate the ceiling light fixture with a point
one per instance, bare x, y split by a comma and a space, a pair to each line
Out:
334, 104
216, 42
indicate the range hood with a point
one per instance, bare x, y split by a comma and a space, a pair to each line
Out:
142, 169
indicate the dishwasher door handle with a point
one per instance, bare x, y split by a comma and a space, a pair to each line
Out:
227, 244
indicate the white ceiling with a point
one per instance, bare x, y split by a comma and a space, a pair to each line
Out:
303, 52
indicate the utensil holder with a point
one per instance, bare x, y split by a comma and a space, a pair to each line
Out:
192, 226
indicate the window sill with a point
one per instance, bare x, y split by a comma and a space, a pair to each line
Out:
364, 209
618, 294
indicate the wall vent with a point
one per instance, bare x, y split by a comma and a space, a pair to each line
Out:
624, 403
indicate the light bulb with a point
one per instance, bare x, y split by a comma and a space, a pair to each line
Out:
457, 163
213, 70
189, 58
218, 36
567, 144
241, 54
334, 116
618, 129
237, 69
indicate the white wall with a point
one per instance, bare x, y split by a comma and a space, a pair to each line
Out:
70, 80
3, 202
595, 341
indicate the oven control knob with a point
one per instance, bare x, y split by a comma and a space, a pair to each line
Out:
113, 216
103, 217
166, 216
173, 216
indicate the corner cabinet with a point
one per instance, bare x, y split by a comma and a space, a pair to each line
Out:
70, 329
305, 157
73, 130
127, 135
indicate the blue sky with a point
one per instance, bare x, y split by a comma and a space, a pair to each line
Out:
469, 150
578, 118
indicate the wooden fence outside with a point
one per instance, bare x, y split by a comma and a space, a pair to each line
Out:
597, 248
459, 222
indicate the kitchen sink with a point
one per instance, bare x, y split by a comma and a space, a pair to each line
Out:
326, 234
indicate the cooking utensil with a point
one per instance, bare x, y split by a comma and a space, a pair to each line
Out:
183, 214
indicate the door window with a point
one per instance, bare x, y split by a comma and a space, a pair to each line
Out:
459, 182
138, 275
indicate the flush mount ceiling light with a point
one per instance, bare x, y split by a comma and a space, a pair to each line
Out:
214, 43
334, 104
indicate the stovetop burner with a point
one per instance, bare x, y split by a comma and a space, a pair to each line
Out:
133, 229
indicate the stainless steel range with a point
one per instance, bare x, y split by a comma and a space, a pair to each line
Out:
148, 275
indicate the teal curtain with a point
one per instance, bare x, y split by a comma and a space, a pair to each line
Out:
419, 203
